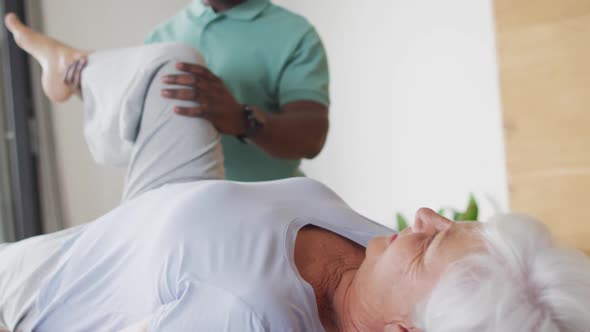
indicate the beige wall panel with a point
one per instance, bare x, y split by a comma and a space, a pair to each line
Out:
544, 52
556, 193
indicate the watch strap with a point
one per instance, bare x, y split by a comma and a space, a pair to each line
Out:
253, 125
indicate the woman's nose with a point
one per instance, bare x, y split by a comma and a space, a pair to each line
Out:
427, 220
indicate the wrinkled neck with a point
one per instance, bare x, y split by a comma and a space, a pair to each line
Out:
328, 262
344, 304
348, 307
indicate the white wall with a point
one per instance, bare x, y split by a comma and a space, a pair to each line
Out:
415, 115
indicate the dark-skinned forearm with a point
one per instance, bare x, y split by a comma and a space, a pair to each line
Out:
298, 131
293, 135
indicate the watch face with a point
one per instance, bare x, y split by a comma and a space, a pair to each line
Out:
253, 124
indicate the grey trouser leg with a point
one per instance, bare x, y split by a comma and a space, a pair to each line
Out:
129, 123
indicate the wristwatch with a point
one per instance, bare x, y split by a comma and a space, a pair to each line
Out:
253, 124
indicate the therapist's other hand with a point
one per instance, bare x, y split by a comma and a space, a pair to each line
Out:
216, 103
73, 75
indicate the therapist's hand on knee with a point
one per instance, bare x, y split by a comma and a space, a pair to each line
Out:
215, 101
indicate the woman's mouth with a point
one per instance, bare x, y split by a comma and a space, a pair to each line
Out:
394, 237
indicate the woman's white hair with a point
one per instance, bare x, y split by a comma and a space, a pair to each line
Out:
522, 283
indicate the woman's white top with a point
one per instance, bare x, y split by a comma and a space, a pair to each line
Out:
201, 256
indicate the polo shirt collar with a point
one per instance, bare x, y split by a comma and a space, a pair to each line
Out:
246, 11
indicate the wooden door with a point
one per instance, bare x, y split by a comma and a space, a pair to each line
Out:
544, 58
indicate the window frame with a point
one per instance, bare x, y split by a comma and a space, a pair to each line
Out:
20, 133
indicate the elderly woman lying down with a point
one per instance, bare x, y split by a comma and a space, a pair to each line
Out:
187, 251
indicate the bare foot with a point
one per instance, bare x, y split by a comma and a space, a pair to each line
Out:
54, 57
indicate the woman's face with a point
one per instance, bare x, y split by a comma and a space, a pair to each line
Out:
400, 272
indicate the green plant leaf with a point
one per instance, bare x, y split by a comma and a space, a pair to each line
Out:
472, 211
402, 222
457, 215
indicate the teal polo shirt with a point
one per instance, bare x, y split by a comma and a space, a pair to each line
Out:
267, 57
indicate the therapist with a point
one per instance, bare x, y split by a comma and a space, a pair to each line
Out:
266, 87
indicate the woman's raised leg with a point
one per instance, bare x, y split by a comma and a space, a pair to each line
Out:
127, 122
